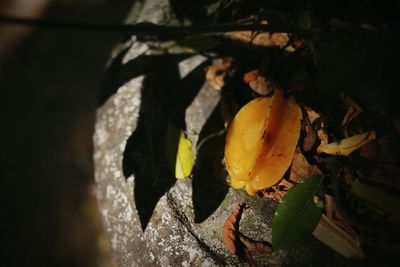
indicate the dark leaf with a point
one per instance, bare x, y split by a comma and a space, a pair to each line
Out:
298, 213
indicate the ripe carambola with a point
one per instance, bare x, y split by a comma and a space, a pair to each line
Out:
261, 141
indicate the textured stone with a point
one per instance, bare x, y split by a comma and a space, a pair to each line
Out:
185, 227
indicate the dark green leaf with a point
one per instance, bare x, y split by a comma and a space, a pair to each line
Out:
298, 213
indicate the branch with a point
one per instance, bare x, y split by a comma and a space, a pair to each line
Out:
150, 29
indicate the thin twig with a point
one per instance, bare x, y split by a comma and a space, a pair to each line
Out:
150, 29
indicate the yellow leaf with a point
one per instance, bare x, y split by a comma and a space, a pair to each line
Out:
337, 239
179, 153
346, 146
184, 157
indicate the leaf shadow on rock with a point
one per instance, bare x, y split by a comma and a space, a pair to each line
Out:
164, 98
114, 77
209, 174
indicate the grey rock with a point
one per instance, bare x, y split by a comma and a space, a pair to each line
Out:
174, 234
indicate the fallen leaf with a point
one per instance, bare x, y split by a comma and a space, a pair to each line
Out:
353, 110
179, 152
262, 86
215, 74
301, 168
337, 239
298, 213
346, 146
256, 247
230, 232
260, 38
250, 76
310, 136
322, 135
239, 244
258, 83
312, 115
184, 157
261, 141
277, 191
314, 118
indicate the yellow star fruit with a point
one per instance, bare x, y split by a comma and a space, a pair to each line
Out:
261, 141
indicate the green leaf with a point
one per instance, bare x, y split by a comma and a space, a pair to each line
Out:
298, 213
179, 152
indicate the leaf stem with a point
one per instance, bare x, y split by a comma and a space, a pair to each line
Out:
150, 29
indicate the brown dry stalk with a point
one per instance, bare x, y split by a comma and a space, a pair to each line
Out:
237, 243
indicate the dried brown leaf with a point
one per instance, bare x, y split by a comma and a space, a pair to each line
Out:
231, 229
239, 244
353, 110
255, 247
262, 86
258, 83
278, 191
323, 136
301, 168
250, 76
260, 38
215, 74
314, 117
310, 137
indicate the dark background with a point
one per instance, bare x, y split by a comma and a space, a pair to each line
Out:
49, 81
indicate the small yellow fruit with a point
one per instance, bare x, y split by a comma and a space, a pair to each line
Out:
261, 141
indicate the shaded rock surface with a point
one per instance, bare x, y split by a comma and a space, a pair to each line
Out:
152, 219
